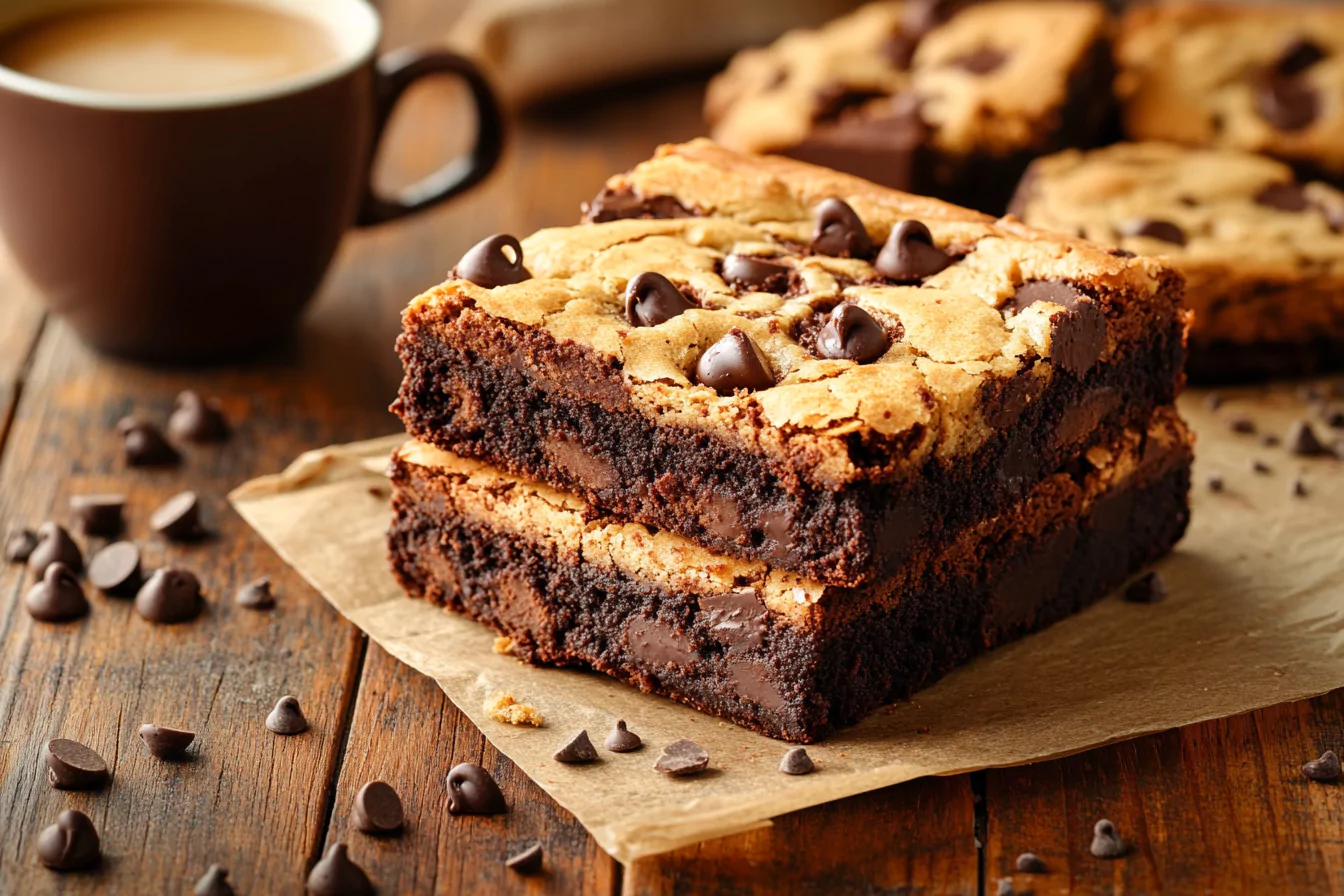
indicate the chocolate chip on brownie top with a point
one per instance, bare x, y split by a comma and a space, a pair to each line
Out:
990, 78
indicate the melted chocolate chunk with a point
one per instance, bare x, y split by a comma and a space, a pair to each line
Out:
1284, 197
58, 597
378, 809
620, 204
736, 619
982, 61
756, 274
840, 231
909, 254
70, 844
732, 363
336, 875
487, 265
165, 742
1078, 334
652, 299
1287, 103
1301, 54
851, 334
471, 791
1165, 231
73, 766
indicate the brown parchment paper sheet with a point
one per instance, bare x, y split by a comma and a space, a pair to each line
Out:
1255, 617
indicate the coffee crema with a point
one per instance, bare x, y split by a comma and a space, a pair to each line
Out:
170, 48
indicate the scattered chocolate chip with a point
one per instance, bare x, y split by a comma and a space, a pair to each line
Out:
732, 363
99, 515
1241, 424
1288, 197
1030, 863
1005, 887
1259, 466
851, 334
682, 757
145, 446
166, 743
336, 875
652, 299
1215, 482
255, 595
197, 419
471, 791
1106, 842
214, 882
1302, 441
579, 749
378, 809
526, 862
1165, 231
116, 569
1301, 54
170, 596
70, 844
756, 274
287, 717
1327, 768
54, 545
840, 231
1288, 103
909, 254
797, 762
1147, 589
58, 597
1299, 489
73, 766
179, 518
618, 204
1213, 401
1269, 440
622, 739
981, 61
488, 266
19, 546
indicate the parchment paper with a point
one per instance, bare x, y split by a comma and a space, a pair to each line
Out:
1255, 616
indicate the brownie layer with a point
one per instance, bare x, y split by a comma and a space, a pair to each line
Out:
733, 643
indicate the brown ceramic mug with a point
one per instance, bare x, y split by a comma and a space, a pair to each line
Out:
188, 228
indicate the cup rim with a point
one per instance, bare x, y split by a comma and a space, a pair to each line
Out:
353, 55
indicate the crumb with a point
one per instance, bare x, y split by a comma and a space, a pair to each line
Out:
503, 708
503, 645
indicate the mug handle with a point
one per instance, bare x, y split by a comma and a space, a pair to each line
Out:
397, 71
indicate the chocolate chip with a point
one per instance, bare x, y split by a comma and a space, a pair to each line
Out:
19, 546
378, 809
116, 569
732, 363
1005, 887
909, 254
1333, 416
1287, 103
1147, 589
1284, 197
797, 762
1215, 482
1259, 466
1106, 842
1165, 231
1213, 401
1057, 292
579, 750
487, 265
622, 739
1241, 424
1299, 489
171, 595
756, 274
1301, 54
54, 545
737, 619
831, 101
526, 862
1327, 768
287, 717
623, 203
1030, 863
1303, 442
145, 446
166, 743
1078, 337
70, 844
652, 299
899, 49
197, 419
471, 791
99, 515
839, 231
58, 597
1269, 440
682, 757
851, 334
336, 875
255, 595
1121, 253
981, 61
179, 518
73, 766
214, 882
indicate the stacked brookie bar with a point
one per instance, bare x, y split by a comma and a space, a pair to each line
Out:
807, 443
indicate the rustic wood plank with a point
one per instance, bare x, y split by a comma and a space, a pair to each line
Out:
21, 317
1214, 808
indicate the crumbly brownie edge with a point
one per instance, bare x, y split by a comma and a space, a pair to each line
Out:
560, 612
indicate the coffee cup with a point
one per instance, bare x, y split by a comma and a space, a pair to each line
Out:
192, 217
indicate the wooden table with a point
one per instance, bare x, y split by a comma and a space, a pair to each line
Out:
1216, 808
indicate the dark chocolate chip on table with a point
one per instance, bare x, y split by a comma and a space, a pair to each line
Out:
287, 717
909, 254
214, 882
378, 809
487, 265
1327, 768
652, 299
622, 739
471, 791
840, 231
335, 874
1106, 841
100, 515
171, 596
256, 595
682, 757
528, 861
164, 742
797, 762
19, 545
1303, 441
1030, 863
1165, 231
757, 274
197, 419
1149, 588
851, 334
732, 363
145, 446
1286, 102
71, 844
116, 569
179, 518
578, 749
54, 545
73, 766
58, 597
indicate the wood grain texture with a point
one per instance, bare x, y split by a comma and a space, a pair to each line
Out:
21, 318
